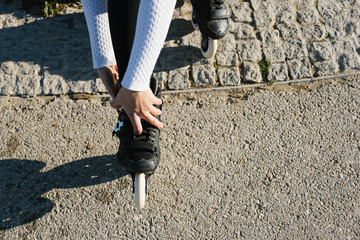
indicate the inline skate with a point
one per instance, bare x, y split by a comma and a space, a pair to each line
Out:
211, 17
139, 154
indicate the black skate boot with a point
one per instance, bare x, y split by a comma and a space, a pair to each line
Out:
139, 154
211, 17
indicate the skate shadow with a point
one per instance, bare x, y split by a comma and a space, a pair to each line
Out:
23, 183
178, 29
172, 58
183, 55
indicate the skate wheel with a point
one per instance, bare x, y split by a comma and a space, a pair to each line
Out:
140, 185
208, 47
193, 21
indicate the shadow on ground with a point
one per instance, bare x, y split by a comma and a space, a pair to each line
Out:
60, 46
23, 183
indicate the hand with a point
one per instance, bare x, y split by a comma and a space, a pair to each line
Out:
109, 76
138, 105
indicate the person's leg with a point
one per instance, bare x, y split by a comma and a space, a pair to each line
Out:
137, 153
122, 19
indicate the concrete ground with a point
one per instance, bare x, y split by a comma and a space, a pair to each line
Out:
279, 162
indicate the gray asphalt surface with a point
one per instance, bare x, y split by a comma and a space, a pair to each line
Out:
272, 163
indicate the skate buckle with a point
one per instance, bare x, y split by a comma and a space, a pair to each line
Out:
118, 126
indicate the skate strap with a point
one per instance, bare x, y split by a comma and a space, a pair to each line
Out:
218, 14
141, 147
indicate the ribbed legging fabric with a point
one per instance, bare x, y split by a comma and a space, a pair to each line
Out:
152, 20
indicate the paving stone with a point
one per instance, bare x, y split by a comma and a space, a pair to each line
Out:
227, 59
299, 68
260, 4
20, 78
315, 32
99, 86
328, 9
20, 85
352, 28
7, 85
232, 26
178, 79
203, 75
243, 31
19, 68
227, 44
307, 16
264, 18
80, 86
274, 55
241, 12
252, 73
249, 50
350, 3
7, 68
162, 77
270, 38
55, 84
336, 28
349, 61
305, 3
192, 39
345, 47
320, 51
174, 59
357, 44
294, 48
278, 72
229, 76
288, 30
353, 13
28, 85
325, 68
285, 13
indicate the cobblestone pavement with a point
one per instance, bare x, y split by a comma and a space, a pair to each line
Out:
300, 39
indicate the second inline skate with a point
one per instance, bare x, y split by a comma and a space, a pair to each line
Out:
212, 18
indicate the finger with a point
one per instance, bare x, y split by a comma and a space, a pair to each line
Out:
153, 121
116, 74
156, 101
154, 111
114, 104
136, 122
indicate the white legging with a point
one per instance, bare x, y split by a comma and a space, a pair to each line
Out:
153, 21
